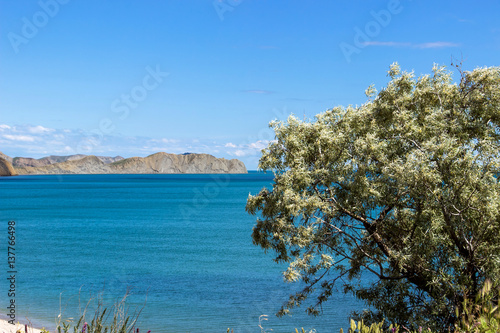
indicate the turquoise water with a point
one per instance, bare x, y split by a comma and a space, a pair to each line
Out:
180, 243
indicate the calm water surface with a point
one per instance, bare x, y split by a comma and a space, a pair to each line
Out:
180, 243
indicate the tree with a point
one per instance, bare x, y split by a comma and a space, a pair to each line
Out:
403, 189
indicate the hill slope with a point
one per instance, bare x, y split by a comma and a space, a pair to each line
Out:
156, 163
6, 168
31, 162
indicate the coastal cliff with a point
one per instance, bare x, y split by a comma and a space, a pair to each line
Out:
6, 168
155, 163
8, 158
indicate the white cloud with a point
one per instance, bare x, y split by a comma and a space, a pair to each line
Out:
66, 149
24, 138
39, 129
257, 145
169, 140
163, 140
246, 149
261, 144
4, 127
434, 45
240, 153
428, 45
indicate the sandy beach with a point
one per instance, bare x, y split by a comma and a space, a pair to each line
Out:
5, 327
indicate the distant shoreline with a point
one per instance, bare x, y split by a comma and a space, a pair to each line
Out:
158, 163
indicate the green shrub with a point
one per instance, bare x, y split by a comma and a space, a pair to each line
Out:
481, 315
102, 320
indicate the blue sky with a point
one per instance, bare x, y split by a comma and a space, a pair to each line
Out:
132, 78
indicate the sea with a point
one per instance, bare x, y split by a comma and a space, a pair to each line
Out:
174, 251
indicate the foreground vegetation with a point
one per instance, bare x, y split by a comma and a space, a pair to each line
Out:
480, 315
96, 318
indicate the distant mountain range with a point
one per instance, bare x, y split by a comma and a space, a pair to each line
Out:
31, 162
90, 164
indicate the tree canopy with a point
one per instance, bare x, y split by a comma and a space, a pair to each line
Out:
403, 188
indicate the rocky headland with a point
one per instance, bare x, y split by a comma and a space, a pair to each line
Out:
155, 163
6, 168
